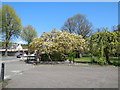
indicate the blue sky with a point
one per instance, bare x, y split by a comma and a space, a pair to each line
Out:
44, 16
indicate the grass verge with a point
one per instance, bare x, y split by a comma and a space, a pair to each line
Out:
4, 83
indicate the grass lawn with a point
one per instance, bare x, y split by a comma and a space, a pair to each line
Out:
114, 59
3, 84
88, 59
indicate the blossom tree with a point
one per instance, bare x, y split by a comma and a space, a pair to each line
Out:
61, 42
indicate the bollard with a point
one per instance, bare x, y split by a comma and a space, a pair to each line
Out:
2, 71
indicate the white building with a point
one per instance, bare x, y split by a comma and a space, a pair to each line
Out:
16, 47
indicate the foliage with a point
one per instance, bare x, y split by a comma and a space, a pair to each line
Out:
54, 57
117, 45
116, 63
28, 34
102, 61
11, 24
71, 56
103, 43
0, 20
78, 24
115, 60
24, 46
57, 57
85, 59
44, 57
61, 42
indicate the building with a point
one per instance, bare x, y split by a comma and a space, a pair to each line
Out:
15, 49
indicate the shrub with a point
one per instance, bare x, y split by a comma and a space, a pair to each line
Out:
116, 63
102, 61
54, 57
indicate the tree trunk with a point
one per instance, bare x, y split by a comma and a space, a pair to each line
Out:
49, 58
107, 55
69, 61
80, 55
28, 49
6, 46
6, 53
107, 58
73, 60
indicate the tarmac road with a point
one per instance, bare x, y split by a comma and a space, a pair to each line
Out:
13, 66
66, 76
24, 75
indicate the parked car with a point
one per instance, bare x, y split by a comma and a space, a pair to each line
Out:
19, 56
24, 54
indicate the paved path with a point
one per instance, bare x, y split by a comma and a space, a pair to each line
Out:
64, 76
13, 66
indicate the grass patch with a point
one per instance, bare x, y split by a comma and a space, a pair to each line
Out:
4, 83
114, 59
88, 59
85, 59
5, 56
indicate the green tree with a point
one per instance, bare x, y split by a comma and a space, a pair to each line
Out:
0, 24
11, 25
0, 20
28, 34
117, 49
78, 24
103, 43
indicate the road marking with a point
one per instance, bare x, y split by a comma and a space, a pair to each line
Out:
20, 73
7, 77
16, 71
9, 61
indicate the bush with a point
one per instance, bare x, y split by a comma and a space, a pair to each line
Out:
102, 61
54, 57
71, 56
93, 60
86, 55
44, 57
116, 63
